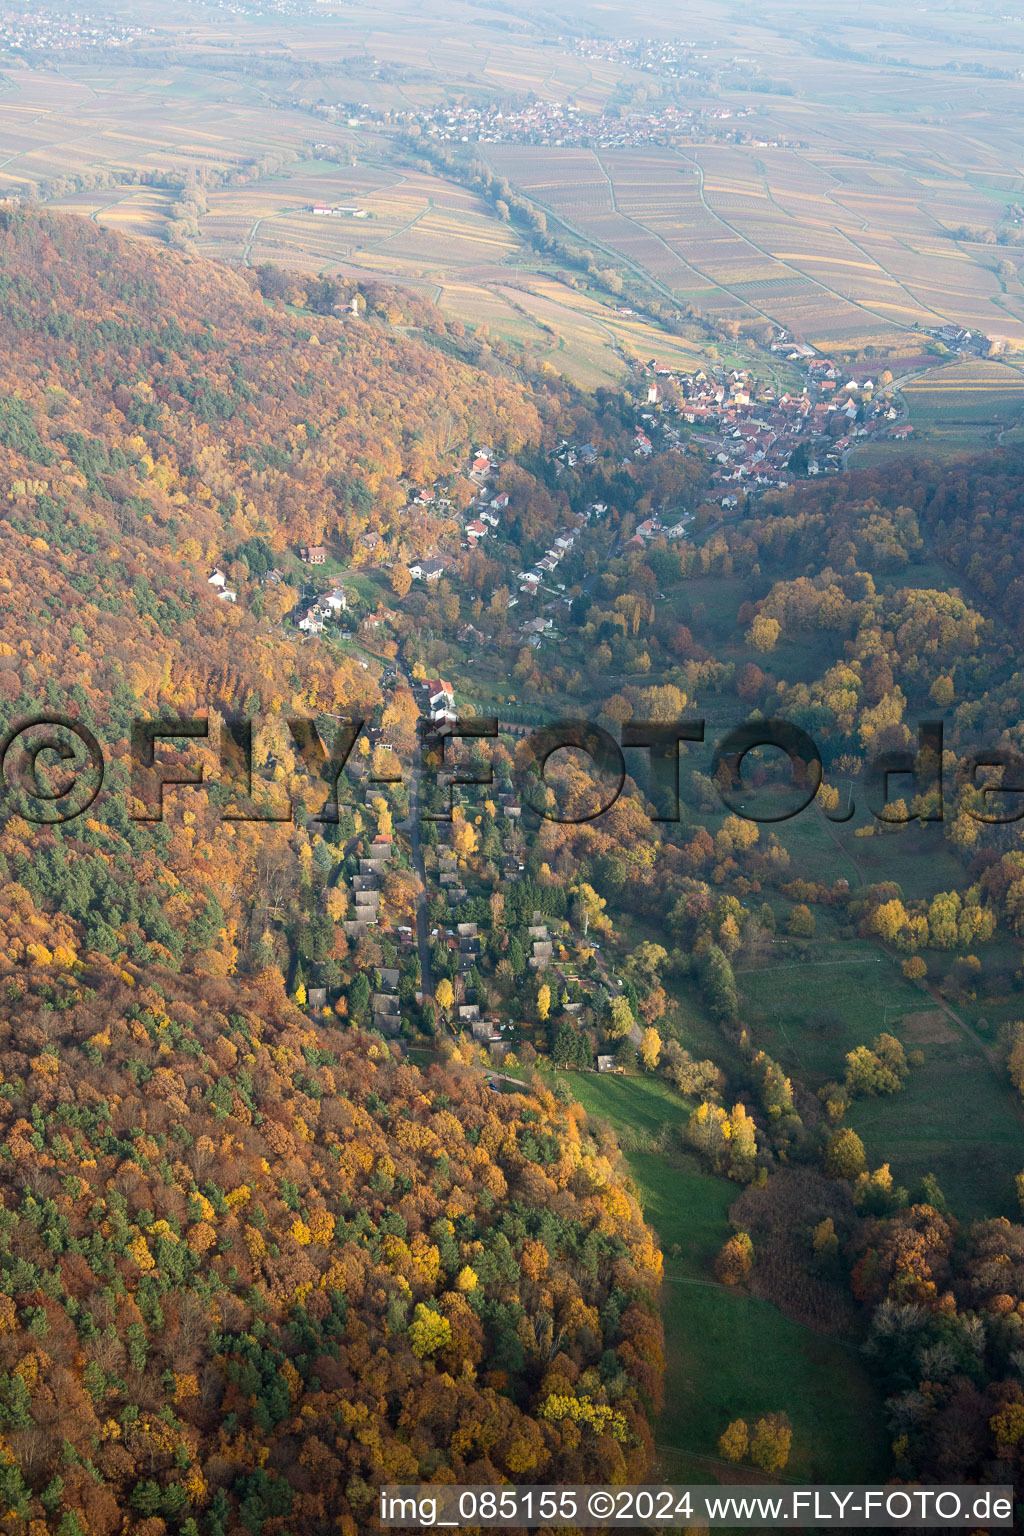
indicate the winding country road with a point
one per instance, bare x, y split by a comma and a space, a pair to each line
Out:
422, 918
416, 847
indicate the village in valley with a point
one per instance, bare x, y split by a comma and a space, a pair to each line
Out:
435, 961
751, 432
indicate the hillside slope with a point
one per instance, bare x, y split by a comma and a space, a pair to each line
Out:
249, 1268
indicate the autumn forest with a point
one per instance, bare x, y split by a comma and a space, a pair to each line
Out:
465, 1131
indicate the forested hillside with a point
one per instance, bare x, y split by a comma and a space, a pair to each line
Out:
250, 1267
155, 413
253, 1262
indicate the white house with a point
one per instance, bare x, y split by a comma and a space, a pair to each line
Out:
440, 694
217, 578
678, 529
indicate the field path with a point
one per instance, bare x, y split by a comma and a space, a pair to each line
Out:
986, 1050
249, 239
376, 244
770, 256
830, 194
890, 275
127, 194
697, 271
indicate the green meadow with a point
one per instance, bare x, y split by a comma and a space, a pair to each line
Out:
729, 1355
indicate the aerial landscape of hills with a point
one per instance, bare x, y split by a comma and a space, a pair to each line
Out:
510, 691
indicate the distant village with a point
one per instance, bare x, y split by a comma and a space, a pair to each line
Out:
29, 30
674, 57
560, 125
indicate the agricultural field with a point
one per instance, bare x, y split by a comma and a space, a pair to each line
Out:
417, 228
959, 408
853, 207
852, 214
840, 256
966, 399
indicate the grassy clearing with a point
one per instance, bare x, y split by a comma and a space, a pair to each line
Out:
741, 1358
730, 1355
970, 1139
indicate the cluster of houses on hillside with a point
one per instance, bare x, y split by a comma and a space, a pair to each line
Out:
328, 606
367, 893
653, 528
219, 582
483, 514
571, 454
543, 570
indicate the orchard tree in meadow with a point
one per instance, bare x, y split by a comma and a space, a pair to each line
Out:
801, 922
763, 633
707, 1131
882, 1069
734, 1441
770, 1442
